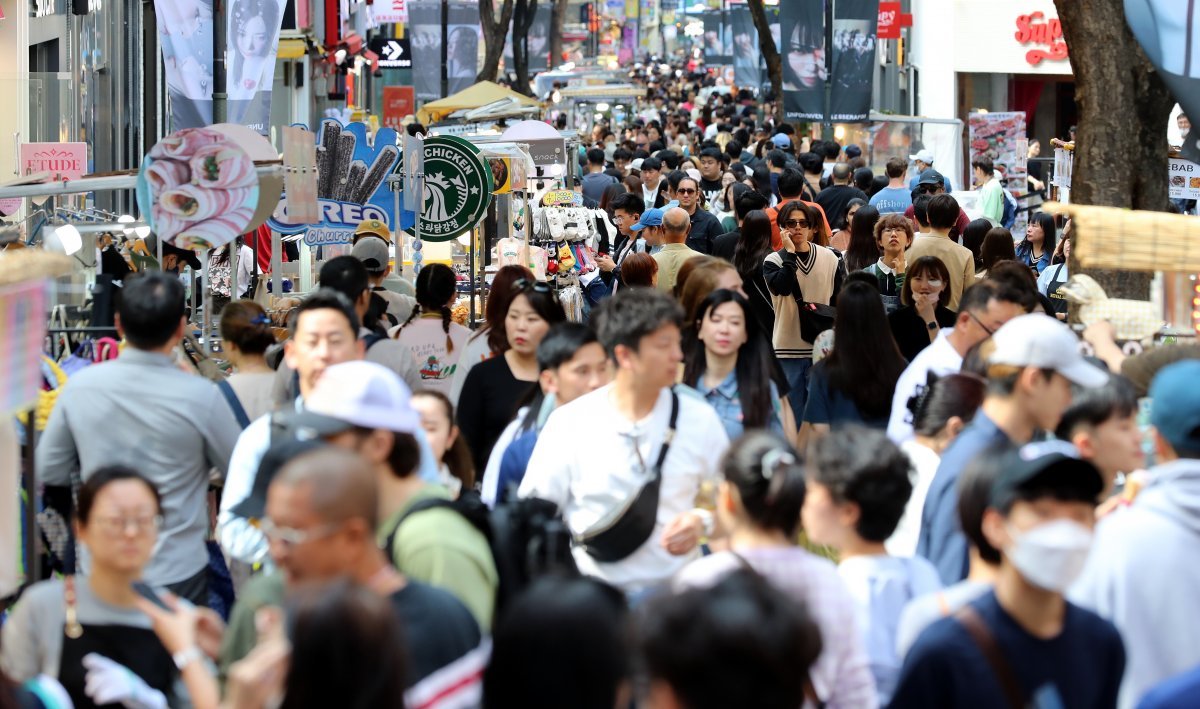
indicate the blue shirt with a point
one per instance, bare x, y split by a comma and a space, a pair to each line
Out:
1025, 256
1179, 692
1080, 667
941, 540
890, 200
514, 462
726, 401
830, 406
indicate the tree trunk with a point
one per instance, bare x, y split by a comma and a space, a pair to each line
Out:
1121, 143
770, 54
494, 34
558, 16
523, 16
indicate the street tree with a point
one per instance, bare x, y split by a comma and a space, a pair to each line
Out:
495, 33
558, 18
523, 16
770, 52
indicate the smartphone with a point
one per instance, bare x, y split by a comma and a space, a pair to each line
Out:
143, 589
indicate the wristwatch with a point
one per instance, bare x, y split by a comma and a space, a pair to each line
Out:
183, 658
931, 325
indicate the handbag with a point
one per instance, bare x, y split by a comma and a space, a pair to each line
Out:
815, 318
633, 525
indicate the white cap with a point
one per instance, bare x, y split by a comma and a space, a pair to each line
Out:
925, 156
1038, 340
693, 173
361, 394
636, 164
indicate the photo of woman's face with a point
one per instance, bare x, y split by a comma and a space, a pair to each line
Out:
252, 37
805, 62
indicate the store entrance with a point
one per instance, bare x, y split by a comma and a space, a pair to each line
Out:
1048, 103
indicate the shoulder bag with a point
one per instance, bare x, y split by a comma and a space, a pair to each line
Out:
969, 618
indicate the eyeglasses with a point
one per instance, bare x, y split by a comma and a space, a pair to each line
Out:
293, 537
524, 284
796, 224
979, 322
685, 190
116, 526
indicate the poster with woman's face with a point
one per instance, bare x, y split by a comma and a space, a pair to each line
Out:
461, 51
539, 42
746, 54
185, 34
803, 50
253, 36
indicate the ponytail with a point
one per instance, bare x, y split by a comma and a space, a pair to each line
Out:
446, 319
411, 316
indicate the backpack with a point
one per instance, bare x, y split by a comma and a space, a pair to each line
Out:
1009, 217
527, 537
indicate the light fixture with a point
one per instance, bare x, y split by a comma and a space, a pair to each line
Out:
126, 219
64, 238
142, 231
602, 107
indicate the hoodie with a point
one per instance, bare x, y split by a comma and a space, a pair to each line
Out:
1143, 575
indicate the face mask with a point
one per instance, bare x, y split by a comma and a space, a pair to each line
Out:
1051, 555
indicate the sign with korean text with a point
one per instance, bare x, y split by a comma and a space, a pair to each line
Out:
1183, 180
398, 103
457, 189
64, 161
393, 11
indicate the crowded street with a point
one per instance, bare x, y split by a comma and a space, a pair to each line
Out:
612, 354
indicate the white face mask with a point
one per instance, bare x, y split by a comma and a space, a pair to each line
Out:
1051, 555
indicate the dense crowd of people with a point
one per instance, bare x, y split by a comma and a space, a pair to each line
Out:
823, 441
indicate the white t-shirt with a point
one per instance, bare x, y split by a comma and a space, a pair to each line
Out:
475, 351
939, 357
425, 339
903, 541
587, 462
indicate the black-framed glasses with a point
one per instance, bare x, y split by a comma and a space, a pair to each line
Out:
979, 322
685, 190
524, 284
796, 224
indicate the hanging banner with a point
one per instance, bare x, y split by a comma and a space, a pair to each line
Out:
462, 46
803, 52
398, 103
23, 320
716, 38
253, 36
854, 24
185, 34
1169, 32
539, 42
747, 57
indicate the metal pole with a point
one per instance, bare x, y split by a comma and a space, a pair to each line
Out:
219, 42
445, 41
826, 114
99, 184
471, 279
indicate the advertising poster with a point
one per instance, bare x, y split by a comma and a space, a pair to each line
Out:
462, 46
185, 33
539, 42
716, 38
803, 51
398, 102
854, 25
1001, 137
747, 59
1168, 33
253, 36
1184, 179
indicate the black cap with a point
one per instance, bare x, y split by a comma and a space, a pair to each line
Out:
168, 249
277, 456
1053, 464
932, 177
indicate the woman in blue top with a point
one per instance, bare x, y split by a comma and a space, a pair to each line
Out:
730, 365
1037, 248
855, 383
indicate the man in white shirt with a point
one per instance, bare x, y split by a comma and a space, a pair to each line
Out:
640, 432
984, 308
652, 182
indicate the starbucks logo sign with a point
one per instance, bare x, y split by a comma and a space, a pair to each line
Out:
458, 188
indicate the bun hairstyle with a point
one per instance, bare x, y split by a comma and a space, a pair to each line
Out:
246, 325
942, 398
769, 479
436, 285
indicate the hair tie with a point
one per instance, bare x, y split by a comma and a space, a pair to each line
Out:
260, 320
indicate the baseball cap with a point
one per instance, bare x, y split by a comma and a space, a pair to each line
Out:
853, 151
186, 255
254, 506
374, 227
1038, 340
1175, 405
359, 393
1053, 464
932, 177
373, 252
925, 156
636, 165
653, 217
781, 140
692, 173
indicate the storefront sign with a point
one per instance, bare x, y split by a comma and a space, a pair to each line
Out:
393, 11
394, 53
891, 19
458, 188
1036, 29
398, 103
1183, 182
548, 151
64, 161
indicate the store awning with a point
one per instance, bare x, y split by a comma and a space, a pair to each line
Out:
480, 94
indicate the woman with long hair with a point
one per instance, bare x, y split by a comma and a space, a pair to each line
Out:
730, 194
856, 382
489, 340
752, 247
449, 448
972, 238
494, 387
842, 233
434, 339
1037, 248
997, 246
729, 363
923, 312
863, 248
758, 506
639, 269
245, 336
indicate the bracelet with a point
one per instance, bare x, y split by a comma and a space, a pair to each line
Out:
183, 658
706, 520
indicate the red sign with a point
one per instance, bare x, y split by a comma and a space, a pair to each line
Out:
64, 161
891, 19
398, 102
1035, 28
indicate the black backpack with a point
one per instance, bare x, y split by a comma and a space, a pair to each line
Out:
528, 538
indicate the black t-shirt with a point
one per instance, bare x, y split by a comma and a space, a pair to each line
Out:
711, 190
835, 200
725, 244
910, 331
1079, 668
489, 400
438, 629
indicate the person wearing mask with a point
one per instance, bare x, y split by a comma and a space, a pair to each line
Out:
321, 514
855, 383
835, 199
87, 630
1031, 363
676, 227
991, 193
489, 339
494, 388
891, 236
704, 227
1142, 577
626, 210
695, 658
1022, 642
935, 240
434, 341
456, 471
246, 334
922, 164
729, 363
595, 180
922, 314
1039, 244
653, 184
571, 363
758, 504
363, 407
897, 196
376, 256
117, 412
1102, 425
857, 486
747, 200
648, 449
650, 227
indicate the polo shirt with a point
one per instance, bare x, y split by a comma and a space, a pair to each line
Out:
670, 258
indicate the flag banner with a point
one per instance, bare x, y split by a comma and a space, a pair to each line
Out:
462, 46
854, 26
185, 34
803, 50
539, 42
747, 58
1169, 32
253, 36
716, 38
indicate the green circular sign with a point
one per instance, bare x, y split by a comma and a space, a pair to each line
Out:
458, 188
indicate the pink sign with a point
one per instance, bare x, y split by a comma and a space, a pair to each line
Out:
390, 11
64, 161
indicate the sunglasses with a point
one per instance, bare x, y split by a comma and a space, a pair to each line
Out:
796, 224
524, 284
685, 190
